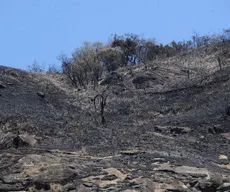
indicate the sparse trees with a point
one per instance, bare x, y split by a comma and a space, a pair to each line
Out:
36, 67
84, 66
177, 46
111, 58
69, 69
53, 69
135, 49
146, 51
204, 40
128, 45
88, 62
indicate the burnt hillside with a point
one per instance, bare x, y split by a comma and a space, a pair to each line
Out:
174, 114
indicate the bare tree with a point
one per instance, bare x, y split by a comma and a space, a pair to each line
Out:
102, 103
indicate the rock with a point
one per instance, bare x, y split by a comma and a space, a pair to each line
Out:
82, 188
142, 81
113, 171
69, 187
226, 178
6, 140
165, 167
211, 131
11, 187
24, 140
146, 185
109, 177
226, 135
131, 152
112, 78
56, 187
216, 129
185, 170
159, 129
39, 185
88, 184
223, 157
173, 129
41, 94
210, 184
14, 73
159, 160
177, 185
113, 177
224, 188
205, 186
198, 172
193, 189
10, 179
225, 166
57, 173
2, 86
180, 130
216, 179
202, 137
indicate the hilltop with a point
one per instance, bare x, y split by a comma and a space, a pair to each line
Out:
166, 128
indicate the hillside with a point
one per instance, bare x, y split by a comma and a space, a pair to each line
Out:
166, 129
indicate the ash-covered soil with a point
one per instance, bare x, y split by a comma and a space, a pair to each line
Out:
164, 130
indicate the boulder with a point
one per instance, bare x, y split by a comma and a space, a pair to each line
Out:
216, 129
112, 78
142, 81
24, 140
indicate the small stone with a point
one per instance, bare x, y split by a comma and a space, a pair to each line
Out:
202, 137
2, 86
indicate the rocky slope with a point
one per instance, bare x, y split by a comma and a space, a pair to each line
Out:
166, 129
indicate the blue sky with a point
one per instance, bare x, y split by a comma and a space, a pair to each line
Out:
42, 29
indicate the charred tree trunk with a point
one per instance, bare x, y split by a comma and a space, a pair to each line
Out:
102, 98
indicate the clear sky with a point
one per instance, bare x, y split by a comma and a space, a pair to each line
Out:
42, 29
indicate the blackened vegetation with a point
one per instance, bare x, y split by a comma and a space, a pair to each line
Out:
91, 61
